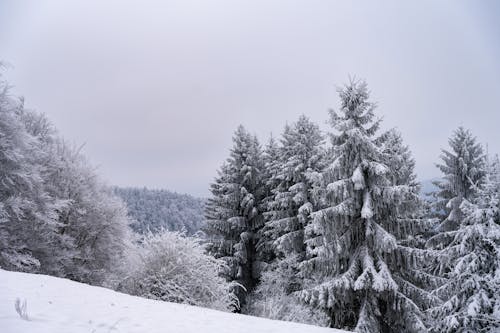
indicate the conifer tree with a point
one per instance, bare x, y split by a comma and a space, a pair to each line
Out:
301, 153
471, 292
462, 167
402, 172
233, 216
272, 164
357, 258
402, 166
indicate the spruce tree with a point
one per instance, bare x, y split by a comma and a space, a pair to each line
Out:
357, 256
301, 153
402, 163
232, 212
463, 167
471, 293
272, 164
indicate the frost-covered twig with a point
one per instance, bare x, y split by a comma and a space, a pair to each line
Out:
21, 308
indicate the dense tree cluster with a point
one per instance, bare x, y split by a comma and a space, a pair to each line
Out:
334, 232
155, 210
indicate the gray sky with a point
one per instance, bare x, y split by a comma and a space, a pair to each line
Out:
156, 88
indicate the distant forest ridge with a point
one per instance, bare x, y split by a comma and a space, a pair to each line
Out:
154, 209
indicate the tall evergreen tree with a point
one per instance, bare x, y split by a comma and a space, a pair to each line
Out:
301, 153
287, 212
233, 216
356, 257
463, 167
272, 165
471, 293
402, 172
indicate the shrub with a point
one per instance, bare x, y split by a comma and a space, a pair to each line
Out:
171, 267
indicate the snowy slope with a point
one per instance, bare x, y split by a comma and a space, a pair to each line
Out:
62, 306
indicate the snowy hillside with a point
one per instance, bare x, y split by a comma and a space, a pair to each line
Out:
59, 306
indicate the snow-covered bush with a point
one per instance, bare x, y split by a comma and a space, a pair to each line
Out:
170, 267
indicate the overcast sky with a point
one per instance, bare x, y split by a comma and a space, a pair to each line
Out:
156, 88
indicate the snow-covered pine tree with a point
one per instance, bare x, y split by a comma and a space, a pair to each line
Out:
272, 165
288, 209
233, 217
301, 153
471, 293
413, 225
462, 167
355, 257
402, 163
402, 172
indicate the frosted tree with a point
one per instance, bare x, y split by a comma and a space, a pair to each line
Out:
28, 224
402, 172
301, 153
288, 209
271, 168
471, 293
402, 163
462, 167
56, 217
93, 218
232, 212
358, 261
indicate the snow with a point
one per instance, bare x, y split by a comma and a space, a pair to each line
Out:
57, 305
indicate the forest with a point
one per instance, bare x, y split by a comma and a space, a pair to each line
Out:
326, 229
154, 210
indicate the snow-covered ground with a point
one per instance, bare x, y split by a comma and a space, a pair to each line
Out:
62, 306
